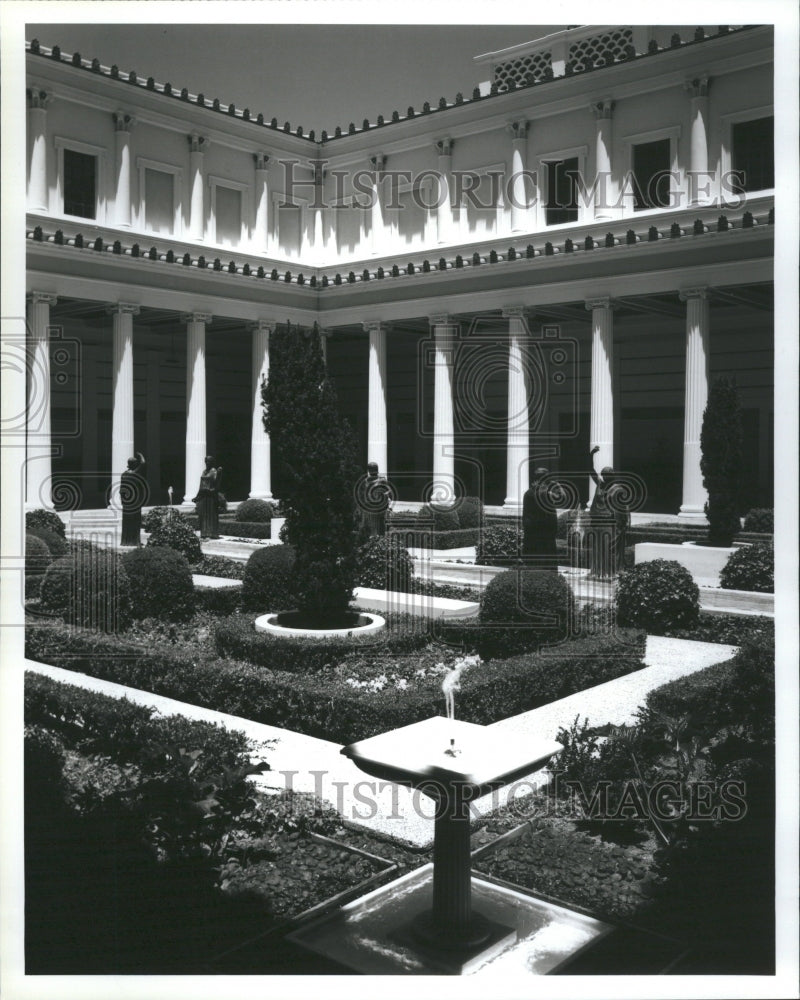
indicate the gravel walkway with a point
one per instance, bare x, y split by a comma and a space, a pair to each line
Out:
306, 763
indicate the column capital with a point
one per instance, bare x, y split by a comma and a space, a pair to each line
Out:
700, 292
442, 319
38, 98
261, 325
261, 159
603, 110
123, 121
196, 317
444, 146
697, 87
123, 309
600, 302
515, 312
197, 143
373, 324
378, 161
47, 297
518, 130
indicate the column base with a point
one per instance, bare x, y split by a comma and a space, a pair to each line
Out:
691, 512
512, 503
260, 496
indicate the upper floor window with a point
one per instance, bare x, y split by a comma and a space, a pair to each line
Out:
80, 184
651, 176
752, 155
562, 195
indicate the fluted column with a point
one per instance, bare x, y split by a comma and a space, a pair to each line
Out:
38, 197
699, 188
378, 221
697, 365
195, 400
444, 332
605, 192
197, 217
122, 443
260, 458
261, 233
444, 209
377, 424
518, 447
520, 212
602, 402
38, 465
123, 124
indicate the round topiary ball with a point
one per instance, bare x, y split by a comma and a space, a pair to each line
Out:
56, 544
657, 595
37, 559
751, 567
158, 515
90, 588
499, 545
760, 519
470, 512
175, 533
161, 583
442, 518
522, 610
383, 563
267, 581
255, 511
45, 519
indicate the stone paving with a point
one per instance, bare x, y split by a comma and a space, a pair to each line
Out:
306, 763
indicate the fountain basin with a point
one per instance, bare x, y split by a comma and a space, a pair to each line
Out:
365, 624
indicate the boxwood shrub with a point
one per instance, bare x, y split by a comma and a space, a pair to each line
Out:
48, 519
470, 512
657, 595
383, 562
161, 583
89, 587
154, 518
325, 706
267, 580
174, 533
257, 511
499, 545
37, 559
438, 539
442, 518
56, 544
751, 567
523, 609
761, 520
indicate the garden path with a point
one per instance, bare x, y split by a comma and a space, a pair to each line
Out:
309, 764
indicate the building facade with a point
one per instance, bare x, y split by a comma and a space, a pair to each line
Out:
566, 255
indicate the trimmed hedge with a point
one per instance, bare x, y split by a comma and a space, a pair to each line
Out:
438, 539
383, 563
258, 511
88, 587
761, 520
37, 559
321, 705
48, 519
656, 595
522, 609
230, 527
218, 600
470, 512
161, 583
175, 533
751, 567
267, 580
57, 544
441, 518
499, 545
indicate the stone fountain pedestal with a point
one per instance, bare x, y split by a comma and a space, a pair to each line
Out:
426, 922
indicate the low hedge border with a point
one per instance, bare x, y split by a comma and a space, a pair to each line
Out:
220, 600
325, 706
438, 539
228, 525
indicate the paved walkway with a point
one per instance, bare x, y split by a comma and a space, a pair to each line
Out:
306, 763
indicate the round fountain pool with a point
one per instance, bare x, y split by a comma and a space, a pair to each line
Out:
290, 624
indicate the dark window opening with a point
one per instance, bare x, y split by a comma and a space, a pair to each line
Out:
651, 177
752, 156
562, 200
80, 182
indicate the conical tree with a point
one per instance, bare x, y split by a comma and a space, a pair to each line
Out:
721, 461
315, 447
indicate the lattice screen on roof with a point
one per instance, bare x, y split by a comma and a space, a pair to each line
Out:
519, 70
593, 51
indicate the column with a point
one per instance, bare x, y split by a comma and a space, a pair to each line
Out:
699, 188
444, 209
38, 196
260, 460
318, 208
517, 187
605, 190
195, 400
123, 124
38, 464
697, 358
261, 229
197, 219
602, 402
122, 443
377, 448
444, 332
378, 221
518, 447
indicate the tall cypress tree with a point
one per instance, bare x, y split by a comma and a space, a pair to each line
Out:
315, 447
721, 461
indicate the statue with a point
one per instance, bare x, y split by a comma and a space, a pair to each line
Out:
206, 500
539, 525
132, 491
609, 522
374, 498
